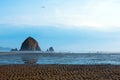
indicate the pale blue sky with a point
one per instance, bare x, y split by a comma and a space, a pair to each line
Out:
67, 25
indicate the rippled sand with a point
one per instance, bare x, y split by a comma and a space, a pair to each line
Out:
59, 72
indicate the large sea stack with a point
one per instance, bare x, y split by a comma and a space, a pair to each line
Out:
30, 44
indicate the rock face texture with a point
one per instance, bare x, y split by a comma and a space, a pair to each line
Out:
30, 44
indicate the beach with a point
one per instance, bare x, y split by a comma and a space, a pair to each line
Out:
59, 72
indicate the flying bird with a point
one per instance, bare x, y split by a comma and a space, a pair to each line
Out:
43, 7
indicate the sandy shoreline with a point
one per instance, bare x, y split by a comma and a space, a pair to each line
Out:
60, 72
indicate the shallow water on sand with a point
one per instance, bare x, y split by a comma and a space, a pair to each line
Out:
52, 58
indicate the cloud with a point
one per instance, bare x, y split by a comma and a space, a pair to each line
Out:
102, 14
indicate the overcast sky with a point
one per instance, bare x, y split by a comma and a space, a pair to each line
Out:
67, 25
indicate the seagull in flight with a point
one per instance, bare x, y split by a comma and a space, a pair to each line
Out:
43, 7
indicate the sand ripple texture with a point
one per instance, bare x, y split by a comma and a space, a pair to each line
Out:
59, 72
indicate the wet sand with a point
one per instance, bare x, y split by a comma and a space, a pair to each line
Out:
59, 72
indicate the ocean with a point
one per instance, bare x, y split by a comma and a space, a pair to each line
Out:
60, 58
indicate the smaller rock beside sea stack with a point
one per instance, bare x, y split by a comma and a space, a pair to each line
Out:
51, 49
30, 44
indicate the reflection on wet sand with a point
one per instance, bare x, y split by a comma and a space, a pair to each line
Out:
30, 58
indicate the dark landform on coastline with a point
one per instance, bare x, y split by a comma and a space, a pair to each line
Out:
30, 44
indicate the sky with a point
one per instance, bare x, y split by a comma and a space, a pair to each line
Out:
67, 25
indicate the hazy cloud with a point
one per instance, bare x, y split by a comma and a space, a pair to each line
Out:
99, 14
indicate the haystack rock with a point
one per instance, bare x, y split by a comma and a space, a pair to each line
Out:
30, 44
